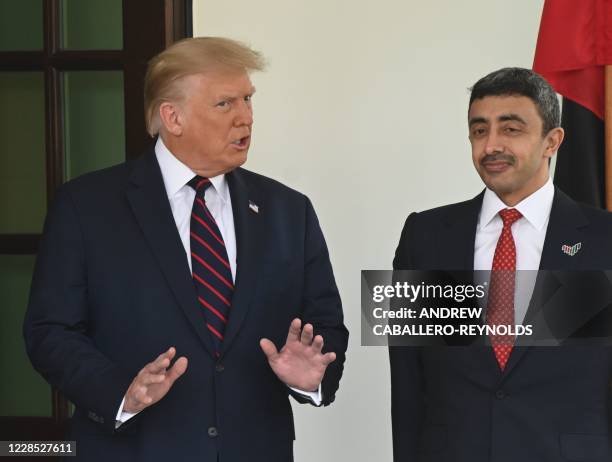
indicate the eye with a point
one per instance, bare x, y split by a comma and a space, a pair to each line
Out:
248, 98
223, 103
511, 130
479, 131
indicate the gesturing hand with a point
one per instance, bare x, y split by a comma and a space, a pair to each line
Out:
154, 381
300, 363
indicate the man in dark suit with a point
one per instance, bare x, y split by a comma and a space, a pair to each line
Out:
183, 251
501, 403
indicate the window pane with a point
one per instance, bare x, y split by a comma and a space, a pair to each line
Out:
21, 25
92, 24
23, 392
22, 157
93, 120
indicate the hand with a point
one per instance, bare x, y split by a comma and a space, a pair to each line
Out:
154, 381
300, 363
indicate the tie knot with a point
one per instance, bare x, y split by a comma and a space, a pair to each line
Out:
199, 183
509, 216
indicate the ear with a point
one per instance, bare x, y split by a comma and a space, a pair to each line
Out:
170, 118
553, 140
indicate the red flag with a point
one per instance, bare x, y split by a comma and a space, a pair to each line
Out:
574, 45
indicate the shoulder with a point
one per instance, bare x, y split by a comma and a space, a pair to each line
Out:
595, 215
263, 184
269, 192
425, 231
105, 192
599, 225
445, 214
99, 181
565, 209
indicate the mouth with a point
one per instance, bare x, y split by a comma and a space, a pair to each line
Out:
497, 163
496, 166
241, 143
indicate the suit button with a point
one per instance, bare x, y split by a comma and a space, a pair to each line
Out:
500, 394
219, 368
212, 432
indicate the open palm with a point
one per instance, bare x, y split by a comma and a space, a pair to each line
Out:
300, 363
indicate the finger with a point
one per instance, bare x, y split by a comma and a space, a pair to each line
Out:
317, 343
159, 364
157, 367
162, 361
294, 331
307, 333
177, 369
169, 353
269, 349
329, 358
150, 379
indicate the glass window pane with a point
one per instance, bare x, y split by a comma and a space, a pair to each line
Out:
22, 157
92, 24
93, 121
21, 25
23, 392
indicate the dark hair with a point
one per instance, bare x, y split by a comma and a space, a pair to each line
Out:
516, 81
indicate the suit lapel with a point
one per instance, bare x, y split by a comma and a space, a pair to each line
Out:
565, 227
149, 202
249, 214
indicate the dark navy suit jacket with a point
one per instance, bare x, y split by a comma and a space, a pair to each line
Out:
550, 404
112, 290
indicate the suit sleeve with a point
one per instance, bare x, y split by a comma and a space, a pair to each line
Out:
407, 394
57, 324
321, 304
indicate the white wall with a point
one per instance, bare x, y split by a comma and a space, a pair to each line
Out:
363, 108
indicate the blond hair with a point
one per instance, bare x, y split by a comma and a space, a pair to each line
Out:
187, 57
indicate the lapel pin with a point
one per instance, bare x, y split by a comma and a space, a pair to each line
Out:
571, 250
254, 207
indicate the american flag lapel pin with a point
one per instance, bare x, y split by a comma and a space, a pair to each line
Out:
571, 250
253, 206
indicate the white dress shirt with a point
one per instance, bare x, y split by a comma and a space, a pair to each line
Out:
528, 233
176, 175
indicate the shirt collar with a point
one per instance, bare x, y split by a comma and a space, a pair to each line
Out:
176, 174
535, 208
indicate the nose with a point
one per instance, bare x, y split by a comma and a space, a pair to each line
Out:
244, 114
493, 143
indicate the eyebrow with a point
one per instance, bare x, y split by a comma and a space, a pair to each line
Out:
512, 117
477, 120
233, 97
501, 118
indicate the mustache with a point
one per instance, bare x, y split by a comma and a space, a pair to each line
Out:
498, 156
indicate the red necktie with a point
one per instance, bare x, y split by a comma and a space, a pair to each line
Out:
500, 310
210, 266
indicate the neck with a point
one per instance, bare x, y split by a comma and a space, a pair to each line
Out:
514, 197
188, 157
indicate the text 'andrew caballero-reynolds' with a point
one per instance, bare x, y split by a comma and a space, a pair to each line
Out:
435, 310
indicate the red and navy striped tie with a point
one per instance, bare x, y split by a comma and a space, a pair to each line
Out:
210, 266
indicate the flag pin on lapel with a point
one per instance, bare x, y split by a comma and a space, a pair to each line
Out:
253, 206
571, 250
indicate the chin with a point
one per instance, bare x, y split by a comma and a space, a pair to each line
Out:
236, 162
498, 187
241, 160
